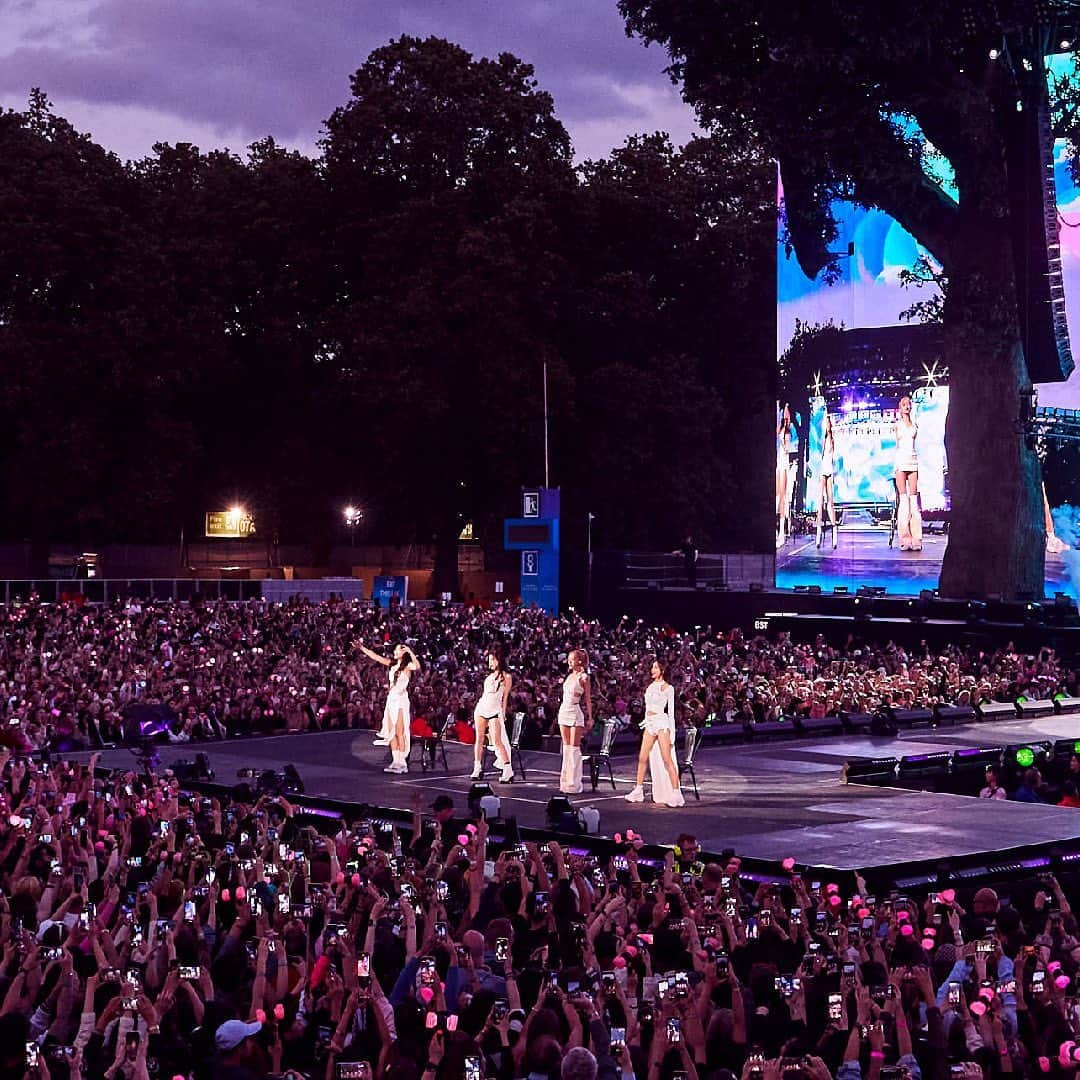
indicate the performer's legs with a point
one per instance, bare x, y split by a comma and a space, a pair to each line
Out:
383, 738
570, 781
478, 747
903, 513
502, 749
638, 794
664, 738
399, 744
821, 507
832, 508
915, 516
782, 504
564, 776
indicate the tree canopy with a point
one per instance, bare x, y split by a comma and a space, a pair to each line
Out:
371, 325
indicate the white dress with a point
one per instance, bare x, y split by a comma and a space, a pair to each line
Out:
660, 699
397, 702
490, 707
573, 690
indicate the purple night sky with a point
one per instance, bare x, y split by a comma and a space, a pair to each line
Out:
226, 72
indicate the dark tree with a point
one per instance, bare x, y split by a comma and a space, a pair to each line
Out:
834, 90
438, 169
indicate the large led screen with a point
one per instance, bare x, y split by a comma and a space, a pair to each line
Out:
864, 390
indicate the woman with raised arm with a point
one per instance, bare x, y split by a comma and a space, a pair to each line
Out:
574, 720
490, 713
657, 739
397, 716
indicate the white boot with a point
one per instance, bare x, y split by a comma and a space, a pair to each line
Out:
570, 781
507, 774
637, 795
915, 523
903, 523
575, 773
476, 770
676, 798
397, 765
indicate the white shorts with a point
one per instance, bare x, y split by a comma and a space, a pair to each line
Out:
573, 718
655, 724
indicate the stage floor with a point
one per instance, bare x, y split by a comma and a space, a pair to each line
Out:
863, 557
767, 801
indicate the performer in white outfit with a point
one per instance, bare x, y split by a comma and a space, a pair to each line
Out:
828, 467
785, 434
574, 720
397, 715
489, 716
908, 512
656, 743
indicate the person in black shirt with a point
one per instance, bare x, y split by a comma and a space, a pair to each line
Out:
689, 553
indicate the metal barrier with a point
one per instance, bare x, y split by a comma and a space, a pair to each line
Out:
657, 570
106, 590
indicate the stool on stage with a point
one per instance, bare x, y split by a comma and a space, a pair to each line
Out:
602, 758
690, 745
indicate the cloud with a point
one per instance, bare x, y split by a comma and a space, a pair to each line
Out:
232, 71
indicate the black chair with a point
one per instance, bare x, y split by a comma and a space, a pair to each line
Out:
690, 745
602, 758
515, 745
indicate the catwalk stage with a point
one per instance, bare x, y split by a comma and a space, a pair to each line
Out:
767, 801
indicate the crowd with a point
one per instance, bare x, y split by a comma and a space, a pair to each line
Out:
67, 672
149, 932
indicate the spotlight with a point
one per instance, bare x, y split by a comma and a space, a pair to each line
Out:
995, 53
1065, 43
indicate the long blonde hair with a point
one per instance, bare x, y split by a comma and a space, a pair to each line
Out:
580, 657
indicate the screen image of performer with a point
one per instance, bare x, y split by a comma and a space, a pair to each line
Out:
657, 740
785, 443
397, 715
575, 718
908, 512
828, 491
489, 717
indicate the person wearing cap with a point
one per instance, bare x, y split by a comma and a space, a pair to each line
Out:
238, 1057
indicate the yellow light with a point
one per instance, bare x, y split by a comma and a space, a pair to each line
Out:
236, 512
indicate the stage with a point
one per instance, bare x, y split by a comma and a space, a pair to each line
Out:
863, 558
766, 801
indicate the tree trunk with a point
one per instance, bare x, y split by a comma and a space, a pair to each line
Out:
996, 528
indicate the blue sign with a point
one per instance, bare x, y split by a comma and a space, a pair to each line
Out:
390, 586
536, 535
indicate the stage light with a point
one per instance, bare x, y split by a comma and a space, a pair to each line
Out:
995, 53
1025, 757
1065, 44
